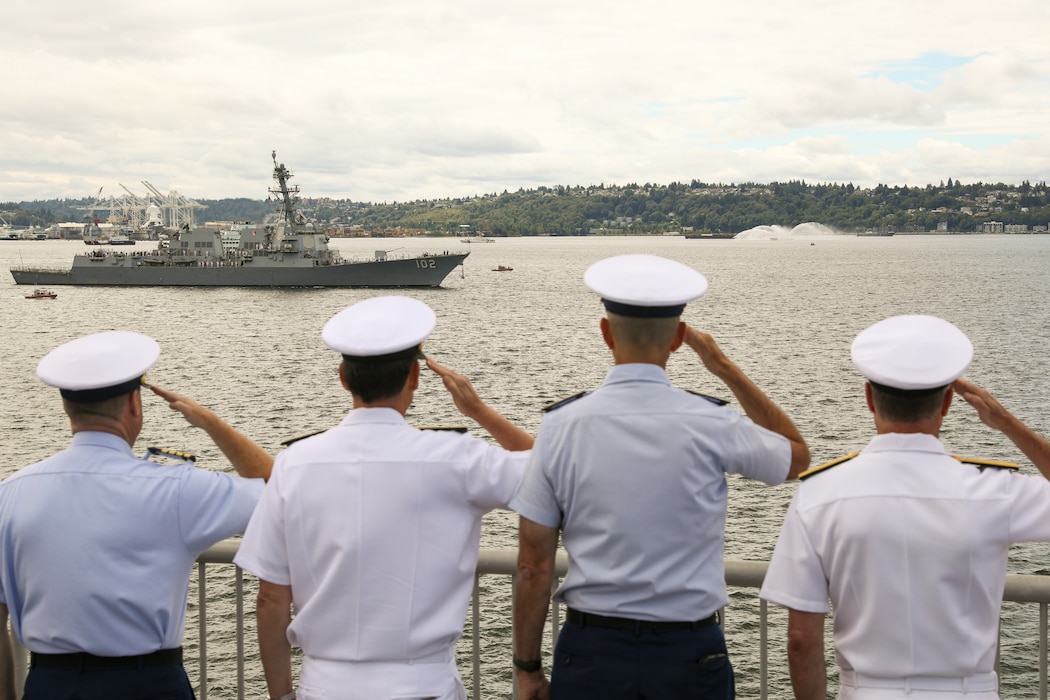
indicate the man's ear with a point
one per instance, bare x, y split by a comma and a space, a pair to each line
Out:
679, 336
607, 334
134, 404
947, 401
413, 376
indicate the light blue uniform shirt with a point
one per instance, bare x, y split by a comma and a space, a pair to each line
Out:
634, 475
96, 545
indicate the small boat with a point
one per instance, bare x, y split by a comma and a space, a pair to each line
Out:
502, 268
41, 294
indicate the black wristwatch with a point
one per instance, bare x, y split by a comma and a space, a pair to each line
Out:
528, 666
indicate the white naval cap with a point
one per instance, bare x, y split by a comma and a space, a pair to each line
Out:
380, 329
912, 353
99, 366
644, 285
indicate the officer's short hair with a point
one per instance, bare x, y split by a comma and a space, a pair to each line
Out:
111, 408
907, 406
375, 381
656, 333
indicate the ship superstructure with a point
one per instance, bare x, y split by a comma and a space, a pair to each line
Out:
292, 252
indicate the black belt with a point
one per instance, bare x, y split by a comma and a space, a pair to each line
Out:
84, 661
624, 623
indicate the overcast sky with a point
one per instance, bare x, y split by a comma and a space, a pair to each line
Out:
385, 100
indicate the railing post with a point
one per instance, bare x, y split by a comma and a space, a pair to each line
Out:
476, 635
202, 628
238, 588
1042, 651
763, 647
513, 598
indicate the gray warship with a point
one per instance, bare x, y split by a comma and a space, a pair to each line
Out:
291, 253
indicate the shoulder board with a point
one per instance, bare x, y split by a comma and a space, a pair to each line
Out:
985, 463
454, 428
174, 454
565, 402
827, 465
289, 441
712, 399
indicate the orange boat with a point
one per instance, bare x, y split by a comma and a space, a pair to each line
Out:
41, 294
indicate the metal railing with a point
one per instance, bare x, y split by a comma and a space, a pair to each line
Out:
745, 575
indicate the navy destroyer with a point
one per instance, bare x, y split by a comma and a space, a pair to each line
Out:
291, 253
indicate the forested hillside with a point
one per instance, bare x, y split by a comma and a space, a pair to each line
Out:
647, 208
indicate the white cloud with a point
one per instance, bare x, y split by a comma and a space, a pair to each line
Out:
407, 99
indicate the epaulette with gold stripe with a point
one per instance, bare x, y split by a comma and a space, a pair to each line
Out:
174, 454
827, 465
565, 401
986, 463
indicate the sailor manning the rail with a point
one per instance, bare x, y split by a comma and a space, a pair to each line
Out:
633, 476
97, 545
909, 543
371, 529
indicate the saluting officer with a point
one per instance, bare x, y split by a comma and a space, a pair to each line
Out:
633, 475
97, 545
372, 528
909, 543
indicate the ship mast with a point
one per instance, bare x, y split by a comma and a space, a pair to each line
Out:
288, 201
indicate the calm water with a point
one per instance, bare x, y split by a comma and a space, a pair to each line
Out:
785, 310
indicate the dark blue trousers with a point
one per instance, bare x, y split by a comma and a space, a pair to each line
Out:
626, 664
166, 682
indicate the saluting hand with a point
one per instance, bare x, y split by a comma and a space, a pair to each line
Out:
990, 411
705, 346
463, 394
194, 413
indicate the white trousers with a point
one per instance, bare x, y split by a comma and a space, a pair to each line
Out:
321, 679
855, 686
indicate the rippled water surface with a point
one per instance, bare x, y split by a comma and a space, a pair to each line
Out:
785, 310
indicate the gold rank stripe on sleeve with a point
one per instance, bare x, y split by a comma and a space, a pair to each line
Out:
165, 452
827, 465
983, 463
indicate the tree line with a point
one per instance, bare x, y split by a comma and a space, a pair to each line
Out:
642, 209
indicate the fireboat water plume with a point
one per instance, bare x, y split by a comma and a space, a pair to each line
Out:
772, 233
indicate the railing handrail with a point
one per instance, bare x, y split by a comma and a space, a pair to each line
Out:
1020, 588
